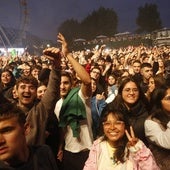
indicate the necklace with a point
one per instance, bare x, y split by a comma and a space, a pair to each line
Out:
111, 152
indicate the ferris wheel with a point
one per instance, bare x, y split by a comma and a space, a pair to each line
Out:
10, 37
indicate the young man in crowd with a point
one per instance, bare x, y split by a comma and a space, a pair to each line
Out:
14, 151
37, 113
146, 72
74, 115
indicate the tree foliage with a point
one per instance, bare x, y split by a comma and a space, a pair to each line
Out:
103, 21
70, 28
148, 18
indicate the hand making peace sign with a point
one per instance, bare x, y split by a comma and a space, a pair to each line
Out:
132, 140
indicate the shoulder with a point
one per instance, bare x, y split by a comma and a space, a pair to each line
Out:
41, 150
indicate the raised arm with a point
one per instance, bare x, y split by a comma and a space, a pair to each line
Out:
79, 69
53, 90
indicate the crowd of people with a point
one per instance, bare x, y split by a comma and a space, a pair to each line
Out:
97, 109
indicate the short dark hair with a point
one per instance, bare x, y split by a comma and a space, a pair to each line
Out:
95, 67
9, 110
146, 65
27, 79
68, 75
136, 61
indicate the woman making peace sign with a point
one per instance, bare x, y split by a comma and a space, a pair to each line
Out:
118, 148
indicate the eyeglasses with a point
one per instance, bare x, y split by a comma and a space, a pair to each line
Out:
128, 90
166, 98
108, 124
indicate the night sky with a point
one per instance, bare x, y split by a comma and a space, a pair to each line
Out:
44, 16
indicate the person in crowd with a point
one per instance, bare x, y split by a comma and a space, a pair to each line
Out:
37, 112
112, 88
95, 73
25, 69
35, 70
41, 91
7, 83
98, 103
74, 114
136, 67
132, 102
15, 154
161, 67
52, 132
154, 82
146, 72
43, 76
157, 127
118, 147
167, 72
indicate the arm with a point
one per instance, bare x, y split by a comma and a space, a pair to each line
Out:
155, 133
142, 157
53, 93
91, 162
79, 69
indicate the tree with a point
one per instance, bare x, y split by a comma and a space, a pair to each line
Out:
148, 18
103, 21
70, 29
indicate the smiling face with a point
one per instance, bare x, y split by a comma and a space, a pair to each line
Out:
113, 128
26, 93
130, 93
5, 77
41, 91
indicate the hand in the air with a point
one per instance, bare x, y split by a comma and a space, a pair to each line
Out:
132, 140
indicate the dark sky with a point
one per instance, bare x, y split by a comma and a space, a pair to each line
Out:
44, 16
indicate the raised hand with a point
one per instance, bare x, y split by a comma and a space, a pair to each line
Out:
63, 42
132, 140
53, 54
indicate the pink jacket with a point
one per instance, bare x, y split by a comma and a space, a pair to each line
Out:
140, 158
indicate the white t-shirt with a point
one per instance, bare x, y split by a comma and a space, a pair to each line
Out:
72, 144
106, 163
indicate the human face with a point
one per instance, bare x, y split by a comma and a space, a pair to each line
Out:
93, 85
5, 77
146, 73
113, 128
136, 67
26, 71
26, 93
65, 86
166, 102
95, 73
41, 91
35, 73
160, 62
12, 140
130, 93
111, 80
14, 93
151, 85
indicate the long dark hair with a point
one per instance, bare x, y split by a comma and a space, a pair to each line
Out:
157, 111
118, 101
12, 81
119, 154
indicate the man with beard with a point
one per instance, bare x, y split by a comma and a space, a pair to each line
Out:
74, 114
